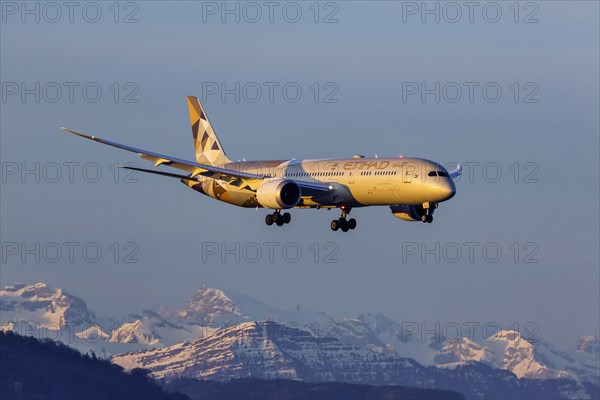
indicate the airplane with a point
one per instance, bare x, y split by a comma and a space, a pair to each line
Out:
411, 187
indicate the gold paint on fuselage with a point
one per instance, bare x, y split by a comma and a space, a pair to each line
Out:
356, 181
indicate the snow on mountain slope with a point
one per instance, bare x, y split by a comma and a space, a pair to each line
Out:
93, 332
586, 358
209, 305
459, 351
37, 304
152, 329
265, 350
219, 308
269, 350
526, 358
214, 357
44, 312
534, 359
537, 359
211, 310
518, 355
394, 337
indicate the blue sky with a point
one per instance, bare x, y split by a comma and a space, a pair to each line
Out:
368, 55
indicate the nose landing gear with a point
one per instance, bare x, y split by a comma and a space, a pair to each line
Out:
428, 212
278, 218
342, 223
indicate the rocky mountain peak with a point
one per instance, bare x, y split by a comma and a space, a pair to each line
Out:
44, 305
209, 303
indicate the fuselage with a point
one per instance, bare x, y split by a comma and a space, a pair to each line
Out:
358, 181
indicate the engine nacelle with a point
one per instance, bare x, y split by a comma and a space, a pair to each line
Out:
409, 213
278, 193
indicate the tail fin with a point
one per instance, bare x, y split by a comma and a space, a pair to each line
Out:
206, 143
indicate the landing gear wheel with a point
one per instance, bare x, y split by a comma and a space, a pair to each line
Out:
344, 225
429, 218
352, 223
276, 216
279, 222
335, 225
424, 218
287, 217
269, 219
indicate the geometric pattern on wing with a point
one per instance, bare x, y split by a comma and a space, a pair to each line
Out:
206, 144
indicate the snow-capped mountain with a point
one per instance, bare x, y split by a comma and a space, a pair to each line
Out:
270, 350
155, 330
263, 349
210, 305
222, 308
38, 304
211, 311
208, 309
506, 349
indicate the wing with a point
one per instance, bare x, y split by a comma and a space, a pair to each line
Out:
160, 159
195, 169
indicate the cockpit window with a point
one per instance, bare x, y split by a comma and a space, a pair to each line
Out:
443, 174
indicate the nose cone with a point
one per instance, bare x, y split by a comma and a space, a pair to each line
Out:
447, 190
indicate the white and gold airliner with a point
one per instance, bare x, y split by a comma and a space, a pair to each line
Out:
411, 187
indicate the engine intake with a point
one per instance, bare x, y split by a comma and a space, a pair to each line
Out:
409, 213
278, 193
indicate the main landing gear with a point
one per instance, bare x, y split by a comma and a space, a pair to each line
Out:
278, 218
428, 212
342, 223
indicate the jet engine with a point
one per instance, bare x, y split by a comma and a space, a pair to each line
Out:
410, 213
278, 193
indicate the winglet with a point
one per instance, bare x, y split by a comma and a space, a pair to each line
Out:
78, 134
456, 172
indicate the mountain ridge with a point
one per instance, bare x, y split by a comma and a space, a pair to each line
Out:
211, 310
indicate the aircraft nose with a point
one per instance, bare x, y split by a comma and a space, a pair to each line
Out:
447, 190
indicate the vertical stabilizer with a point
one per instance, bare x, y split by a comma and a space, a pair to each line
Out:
207, 145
